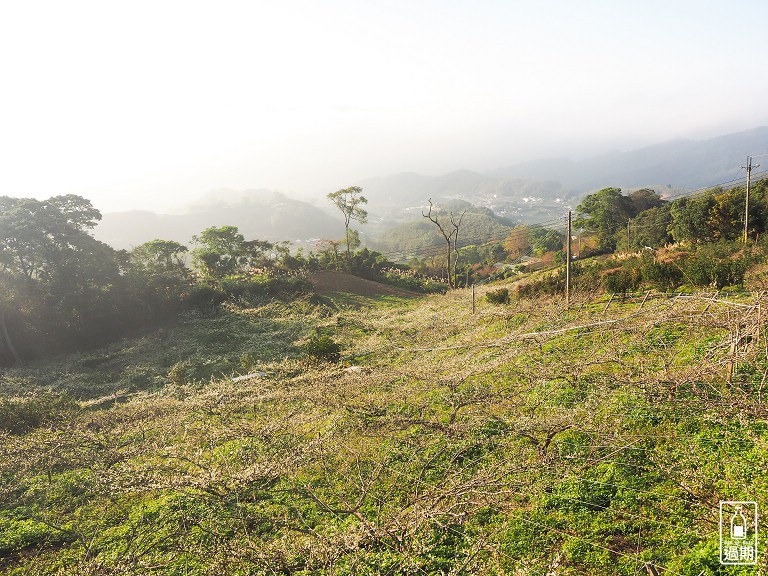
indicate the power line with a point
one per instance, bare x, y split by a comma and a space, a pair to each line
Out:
438, 248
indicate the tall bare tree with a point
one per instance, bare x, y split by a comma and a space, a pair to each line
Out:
451, 239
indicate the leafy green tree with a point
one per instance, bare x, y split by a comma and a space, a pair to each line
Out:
644, 199
328, 253
604, 213
543, 240
719, 215
42, 238
758, 208
220, 252
690, 218
160, 257
9, 356
159, 274
78, 211
62, 288
726, 215
352, 241
607, 211
257, 253
349, 201
651, 227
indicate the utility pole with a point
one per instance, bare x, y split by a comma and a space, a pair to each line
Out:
746, 204
629, 244
568, 264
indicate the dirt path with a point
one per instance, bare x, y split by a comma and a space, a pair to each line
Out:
326, 282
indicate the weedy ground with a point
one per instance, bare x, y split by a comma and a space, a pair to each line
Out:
526, 438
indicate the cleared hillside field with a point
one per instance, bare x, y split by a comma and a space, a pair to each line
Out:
523, 439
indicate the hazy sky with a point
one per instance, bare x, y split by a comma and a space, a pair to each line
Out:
152, 104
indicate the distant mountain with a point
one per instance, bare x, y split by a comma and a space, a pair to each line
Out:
680, 164
522, 193
542, 189
258, 214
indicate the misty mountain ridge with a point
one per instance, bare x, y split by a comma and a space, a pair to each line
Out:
680, 163
261, 214
229, 197
527, 192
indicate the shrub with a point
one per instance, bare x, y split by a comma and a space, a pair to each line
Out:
324, 348
177, 373
412, 281
500, 296
717, 266
549, 284
259, 287
197, 369
622, 280
662, 275
20, 415
204, 296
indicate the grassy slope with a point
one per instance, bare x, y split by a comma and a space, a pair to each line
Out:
522, 440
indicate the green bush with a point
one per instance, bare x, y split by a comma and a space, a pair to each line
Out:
204, 296
200, 369
324, 348
716, 265
500, 296
414, 282
662, 276
622, 280
20, 415
281, 286
549, 284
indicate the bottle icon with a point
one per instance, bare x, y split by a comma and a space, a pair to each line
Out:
738, 525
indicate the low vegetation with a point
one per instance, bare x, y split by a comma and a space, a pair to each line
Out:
525, 439
263, 428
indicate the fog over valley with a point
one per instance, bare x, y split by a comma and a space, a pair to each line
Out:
523, 193
150, 107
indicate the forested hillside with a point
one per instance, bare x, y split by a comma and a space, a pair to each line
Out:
479, 225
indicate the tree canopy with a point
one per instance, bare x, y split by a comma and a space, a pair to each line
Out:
607, 211
349, 201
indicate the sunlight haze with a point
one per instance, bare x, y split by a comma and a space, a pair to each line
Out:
152, 104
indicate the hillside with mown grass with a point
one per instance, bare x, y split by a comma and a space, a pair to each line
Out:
363, 433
